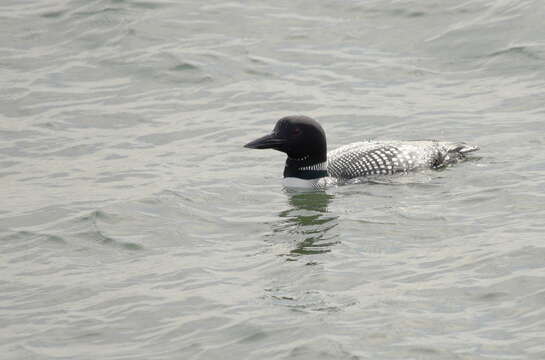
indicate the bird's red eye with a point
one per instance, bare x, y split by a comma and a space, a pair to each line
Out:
296, 131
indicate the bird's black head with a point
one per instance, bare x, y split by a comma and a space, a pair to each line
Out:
300, 137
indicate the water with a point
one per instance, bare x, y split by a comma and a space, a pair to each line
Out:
134, 225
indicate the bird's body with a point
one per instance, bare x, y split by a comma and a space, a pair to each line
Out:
391, 157
310, 166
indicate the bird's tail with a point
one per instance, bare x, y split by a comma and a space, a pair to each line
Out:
462, 149
452, 153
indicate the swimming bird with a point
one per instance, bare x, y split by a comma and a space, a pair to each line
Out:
309, 165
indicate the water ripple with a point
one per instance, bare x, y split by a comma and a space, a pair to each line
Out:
135, 225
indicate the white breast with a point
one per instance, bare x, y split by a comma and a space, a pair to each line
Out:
292, 182
316, 184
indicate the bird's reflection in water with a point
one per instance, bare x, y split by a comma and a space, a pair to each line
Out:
308, 224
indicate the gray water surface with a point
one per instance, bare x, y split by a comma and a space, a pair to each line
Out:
134, 225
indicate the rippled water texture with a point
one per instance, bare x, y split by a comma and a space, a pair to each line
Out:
134, 225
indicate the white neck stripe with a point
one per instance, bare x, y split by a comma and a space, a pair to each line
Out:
319, 166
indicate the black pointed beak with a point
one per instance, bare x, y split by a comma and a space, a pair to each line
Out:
270, 141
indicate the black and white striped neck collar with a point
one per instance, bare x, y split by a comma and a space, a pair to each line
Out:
319, 166
306, 169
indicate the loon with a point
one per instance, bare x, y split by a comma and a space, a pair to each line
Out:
309, 165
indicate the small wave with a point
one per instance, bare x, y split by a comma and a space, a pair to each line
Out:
519, 50
100, 236
185, 66
54, 14
309, 300
22, 235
